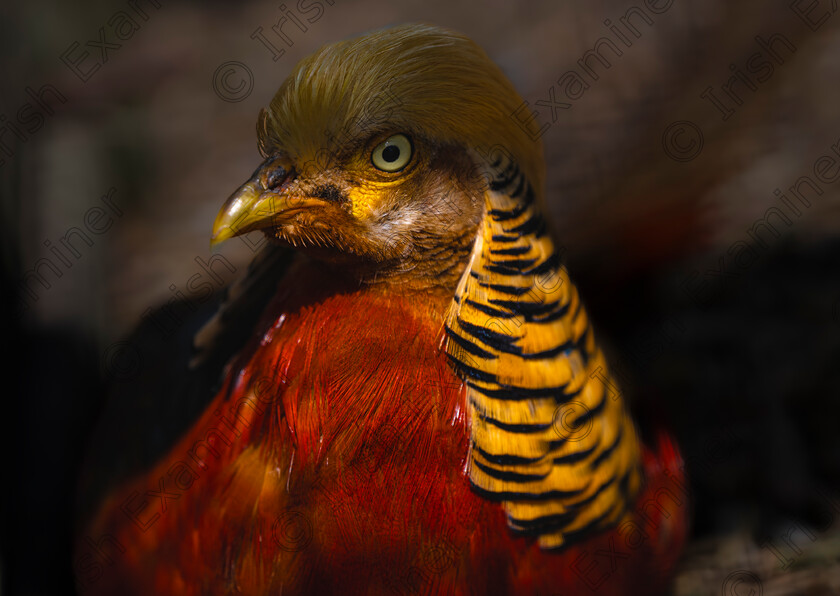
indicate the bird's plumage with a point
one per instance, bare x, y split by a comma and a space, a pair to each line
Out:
551, 438
423, 406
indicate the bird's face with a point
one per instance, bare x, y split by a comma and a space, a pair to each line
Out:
381, 207
369, 154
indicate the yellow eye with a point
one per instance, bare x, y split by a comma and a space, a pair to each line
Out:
393, 154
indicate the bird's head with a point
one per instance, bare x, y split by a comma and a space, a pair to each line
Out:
377, 152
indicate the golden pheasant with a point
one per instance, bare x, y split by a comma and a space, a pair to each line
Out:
421, 406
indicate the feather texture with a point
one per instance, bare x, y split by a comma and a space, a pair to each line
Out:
549, 437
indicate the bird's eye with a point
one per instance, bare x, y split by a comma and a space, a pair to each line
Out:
393, 154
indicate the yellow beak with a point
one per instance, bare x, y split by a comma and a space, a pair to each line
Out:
241, 213
253, 207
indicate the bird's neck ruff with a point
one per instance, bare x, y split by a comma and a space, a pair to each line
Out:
550, 435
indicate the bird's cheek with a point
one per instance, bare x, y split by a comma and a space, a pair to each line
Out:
363, 201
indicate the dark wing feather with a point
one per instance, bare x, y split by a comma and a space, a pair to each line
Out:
174, 378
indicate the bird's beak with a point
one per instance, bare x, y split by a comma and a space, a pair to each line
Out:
254, 207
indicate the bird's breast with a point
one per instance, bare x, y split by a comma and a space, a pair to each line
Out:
376, 487
333, 460
338, 441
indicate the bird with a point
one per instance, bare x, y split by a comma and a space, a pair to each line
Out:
407, 394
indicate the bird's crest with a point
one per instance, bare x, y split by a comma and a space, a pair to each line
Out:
417, 79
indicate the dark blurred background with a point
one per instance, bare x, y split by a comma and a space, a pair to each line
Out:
693, 178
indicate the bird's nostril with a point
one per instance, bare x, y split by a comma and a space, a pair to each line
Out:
276, 177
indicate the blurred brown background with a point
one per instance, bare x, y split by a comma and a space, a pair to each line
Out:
648, 211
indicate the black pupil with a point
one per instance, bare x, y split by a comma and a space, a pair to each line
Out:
391, 153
